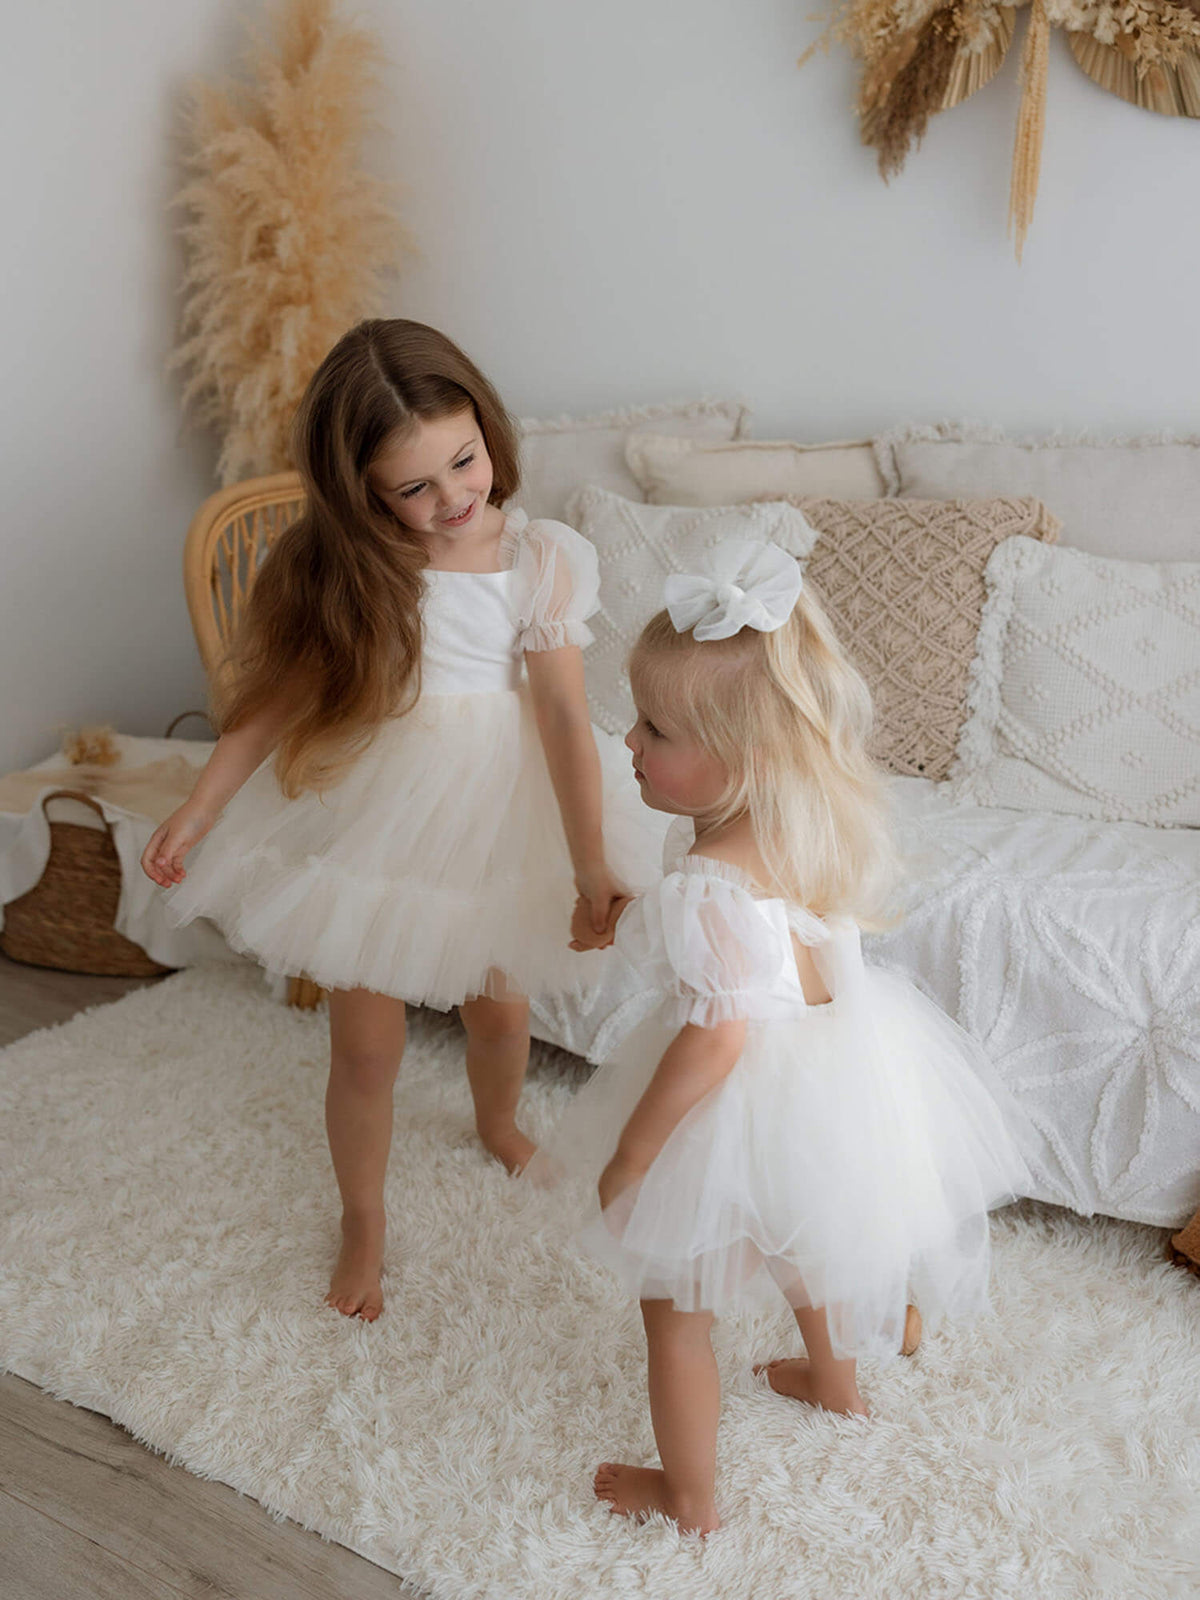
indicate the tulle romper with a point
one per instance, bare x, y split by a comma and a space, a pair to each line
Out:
439, 861
848, 1160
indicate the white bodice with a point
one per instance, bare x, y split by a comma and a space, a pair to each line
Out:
470, 633
478, 625
720, 949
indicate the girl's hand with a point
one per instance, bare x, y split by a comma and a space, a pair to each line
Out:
617, 1176
162, 858
583, 933
598, 889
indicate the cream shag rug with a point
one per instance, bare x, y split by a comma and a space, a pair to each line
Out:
168, 1222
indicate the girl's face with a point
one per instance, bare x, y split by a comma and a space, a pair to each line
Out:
436, 477
673, 772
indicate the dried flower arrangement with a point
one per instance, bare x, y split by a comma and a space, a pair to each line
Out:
923, 56
289, 243
93, 746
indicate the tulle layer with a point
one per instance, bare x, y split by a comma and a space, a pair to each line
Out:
437, 869
848, 1161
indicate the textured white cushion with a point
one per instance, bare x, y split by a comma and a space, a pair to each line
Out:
638, 545
1138, 499
699, 472
560, 454
1085, 687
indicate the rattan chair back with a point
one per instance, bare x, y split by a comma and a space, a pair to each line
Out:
228, 538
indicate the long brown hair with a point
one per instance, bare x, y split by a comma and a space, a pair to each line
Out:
333, 625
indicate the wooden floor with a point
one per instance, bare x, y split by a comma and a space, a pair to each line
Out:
86, 1513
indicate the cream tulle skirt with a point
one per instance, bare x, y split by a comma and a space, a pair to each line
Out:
436, 870
848, 1161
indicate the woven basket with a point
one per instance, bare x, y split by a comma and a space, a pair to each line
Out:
66, 919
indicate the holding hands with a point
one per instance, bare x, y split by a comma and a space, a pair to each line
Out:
594, 923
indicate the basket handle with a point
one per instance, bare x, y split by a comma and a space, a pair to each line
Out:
183, 716
84, 799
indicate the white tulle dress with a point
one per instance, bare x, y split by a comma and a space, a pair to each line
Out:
849, 1159
437, 868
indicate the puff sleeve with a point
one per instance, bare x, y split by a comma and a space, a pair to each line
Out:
559, 578
712, 947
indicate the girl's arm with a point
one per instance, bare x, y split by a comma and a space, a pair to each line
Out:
560, 707
695, 1062
237, 754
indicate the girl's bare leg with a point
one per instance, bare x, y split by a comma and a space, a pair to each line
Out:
366, 1038
685, 1402
497, 1056
820, 1378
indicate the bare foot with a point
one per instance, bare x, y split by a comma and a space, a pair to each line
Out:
510, 1146
912, 1331
638, 1491
355, 1289
796, 1380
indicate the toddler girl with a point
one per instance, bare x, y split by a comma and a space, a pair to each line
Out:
410, 655
786, 1120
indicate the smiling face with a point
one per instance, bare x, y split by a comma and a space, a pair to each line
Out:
674, 773
436, 477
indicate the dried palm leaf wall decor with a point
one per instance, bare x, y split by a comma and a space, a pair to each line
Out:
920, 57
288, 241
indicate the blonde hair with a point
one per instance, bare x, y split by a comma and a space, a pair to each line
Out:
788, 716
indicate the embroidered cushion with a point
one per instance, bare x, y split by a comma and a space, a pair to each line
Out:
638, 545
1085, 688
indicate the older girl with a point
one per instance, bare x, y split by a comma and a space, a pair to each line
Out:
407, 793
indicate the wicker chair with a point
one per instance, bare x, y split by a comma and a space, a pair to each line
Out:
228, 538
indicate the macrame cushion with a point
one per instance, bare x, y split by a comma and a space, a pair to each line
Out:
559, 455
637, 546
683, 471
902, 582
1085, 688
1135, 499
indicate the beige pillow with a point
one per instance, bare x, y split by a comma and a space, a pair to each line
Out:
561, 454
1133, 499
902, 582
703, 472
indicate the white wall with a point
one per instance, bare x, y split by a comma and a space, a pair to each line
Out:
614, 204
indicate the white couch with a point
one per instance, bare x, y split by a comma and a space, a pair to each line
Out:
1069, 947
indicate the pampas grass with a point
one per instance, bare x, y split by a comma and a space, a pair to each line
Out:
289, 243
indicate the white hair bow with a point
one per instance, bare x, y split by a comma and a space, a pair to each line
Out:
749, 584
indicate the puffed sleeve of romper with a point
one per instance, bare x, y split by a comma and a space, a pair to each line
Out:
708, 944
559, 579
